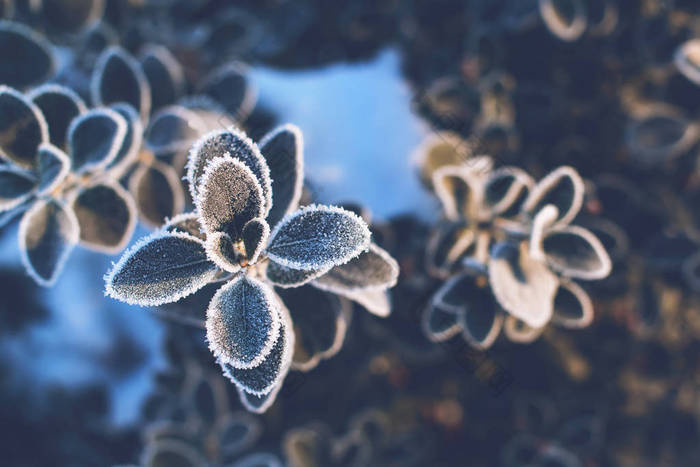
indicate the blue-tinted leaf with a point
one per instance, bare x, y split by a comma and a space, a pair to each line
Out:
229, 197
223, 251
229, 86
482, 321
243, 322
48, 233
660, 136
70, 16
22, 128
171, 453
372, 269
118, 77
59, 105
376, 301
258, 404
131, 143
272, 370
565, 19
519, 331
575, 252
562, 188
16, 186
54, 166
259, 459
161, 268
107, 216
188, 223
26, 54
8, 216
173, 128
320, 320
449, 243
95, 138
523, 286
158, 192
439, 324
282, 276
234, 142
316, 237
238, 432
164, 74
283, 149
687, 60
255, 234
572, 306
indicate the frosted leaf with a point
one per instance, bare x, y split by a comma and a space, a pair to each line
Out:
523, 286
229, 197
518, 331
283, 149
660, 136
572, 306
29, 54
187, 222
59, 105
438, 150
255, 234
562, 188
22, 128
575, 252
229, 86
107, 216
460, 191
118, 77
447, 245
243, 322
687, 60
316, 237
271, 371
223, 252
158, 192
95, 139
565, 19
16, 186
53, 167
131, 143
439, 324
236, 144
171, 452
258, 404
259, 459
164, 74
320, 320
372, 269
172, 129
282, 276
506, 190
376, 302
48, 232
161, 268
71, 16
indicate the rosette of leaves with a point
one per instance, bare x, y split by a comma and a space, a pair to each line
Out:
509, 254
249, 232
63, 176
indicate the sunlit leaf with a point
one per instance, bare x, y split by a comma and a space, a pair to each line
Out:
165, 76
16, 186
53, 167
255, 234
372, 269
131, 143
95, 138
572, 306
59, 105
118, 77
22, 128
316, 237
243, 322
229, 86
48, 232
562, 188
157, 191
29, 53
283, 149
107, 216
161, 268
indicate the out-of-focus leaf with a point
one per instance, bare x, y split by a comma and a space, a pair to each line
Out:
447, 245
229, 197
161, 268
259, 459
22, 128
59, 105
519, 331
506, 190
660, 136
575, 252
70, 16
375, 301
229, 86
687, 60
29, 54
439, 324
238, 146
48, 233
173, 128
572, 306
316, 237
16, 186
523, 286
131, 144
243, 322
283, 149
565, 19
171, 453
53, 168
562, 188
255, 234
187, 222
373, 269
164, 74
438, 150
95, 138
107, 216
118, 77
460, 190
238, 432
158, 192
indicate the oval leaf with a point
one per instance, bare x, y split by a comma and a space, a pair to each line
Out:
255, 234
15, 186
59, 105
22, 128
228, 85
563, 188
54, 166
29, 53
95, 138
373, 269
172, 129
282, 276
575, 252
258, 404
460, 191
118, 77
223, 252
158, 193
506, 190
316, 237
164, 75
572, 306
131, 143
439, 324
565, 19
243, 322
188, 223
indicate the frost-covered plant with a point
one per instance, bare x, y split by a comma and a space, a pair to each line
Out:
509, 254
248, 228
